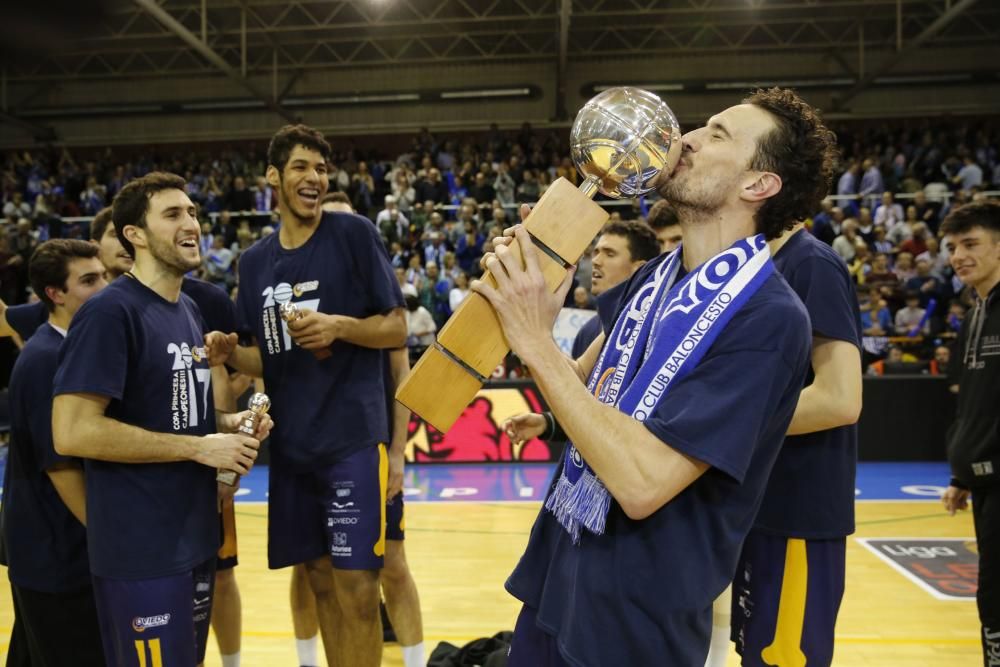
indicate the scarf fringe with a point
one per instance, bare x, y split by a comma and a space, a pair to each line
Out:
584, 504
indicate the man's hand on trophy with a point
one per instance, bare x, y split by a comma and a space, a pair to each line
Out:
219, 347
522, 300
508, 236
314, 331
525, 426
228, 451
229, 422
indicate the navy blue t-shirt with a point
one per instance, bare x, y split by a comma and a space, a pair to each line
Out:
811, 490
25, 318
46, 545
585, 336
324, 410
642, 593
144, 353
217, 309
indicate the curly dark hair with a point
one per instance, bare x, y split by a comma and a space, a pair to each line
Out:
985, 214
642, 241
131, 204
287, 138
801, 150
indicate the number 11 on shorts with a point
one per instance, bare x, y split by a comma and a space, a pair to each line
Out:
156, 659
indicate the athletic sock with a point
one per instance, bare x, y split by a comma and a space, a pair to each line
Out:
231, 660
306, 648
719, 649
413, 656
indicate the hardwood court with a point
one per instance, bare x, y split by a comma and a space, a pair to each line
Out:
461, 553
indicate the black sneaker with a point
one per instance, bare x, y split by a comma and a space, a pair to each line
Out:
388, 634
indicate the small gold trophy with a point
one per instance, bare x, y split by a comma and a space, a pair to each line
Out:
259, 405
622, 140
289, 312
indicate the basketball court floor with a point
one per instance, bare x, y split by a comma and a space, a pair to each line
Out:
911, 574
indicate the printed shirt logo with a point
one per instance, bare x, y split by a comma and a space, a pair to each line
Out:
140, 623
302, 288
276, 337
185, 383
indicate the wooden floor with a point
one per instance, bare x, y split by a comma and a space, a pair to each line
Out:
461, 553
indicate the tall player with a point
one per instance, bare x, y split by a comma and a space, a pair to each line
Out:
324, 373
400, 590
791, 574
133, 397
668, 466
44, 506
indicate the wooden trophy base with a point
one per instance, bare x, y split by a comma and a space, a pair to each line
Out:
471, 344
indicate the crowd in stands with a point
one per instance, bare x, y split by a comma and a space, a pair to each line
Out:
440, 202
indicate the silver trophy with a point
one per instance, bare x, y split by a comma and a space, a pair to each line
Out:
290, 312
258, 406
622, 140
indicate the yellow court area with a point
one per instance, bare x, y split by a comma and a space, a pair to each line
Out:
460, 554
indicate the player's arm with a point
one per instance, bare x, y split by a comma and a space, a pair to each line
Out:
399, 368
315, 330
80, 428
68, 480
641, 471
224, 348
834, 397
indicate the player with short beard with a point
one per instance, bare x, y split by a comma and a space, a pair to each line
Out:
133, 398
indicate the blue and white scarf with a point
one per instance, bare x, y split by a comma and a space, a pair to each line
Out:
661, 336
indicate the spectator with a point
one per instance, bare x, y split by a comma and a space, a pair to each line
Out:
420, 327
937, 260
582, 299
218, 264
925, 284
504, 185
239, 198
881, 245
264, 198
392, 225
888, 213
917, 243
904, 268
459, 292
876, 320
848, 186
942, 360
909, 319
872, 185
969, 176
846, 245
434, 293
16, 207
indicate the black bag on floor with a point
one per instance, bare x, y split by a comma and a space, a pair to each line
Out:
483, 652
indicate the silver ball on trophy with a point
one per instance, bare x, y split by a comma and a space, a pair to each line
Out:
258, 406
290, 312
622, 140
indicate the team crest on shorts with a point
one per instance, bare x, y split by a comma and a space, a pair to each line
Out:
140, 623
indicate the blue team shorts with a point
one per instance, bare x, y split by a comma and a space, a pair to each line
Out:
337, 510
531, 646
786, 596
161, 621
395, 521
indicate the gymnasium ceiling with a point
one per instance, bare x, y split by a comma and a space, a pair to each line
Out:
125, 38
247, 39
